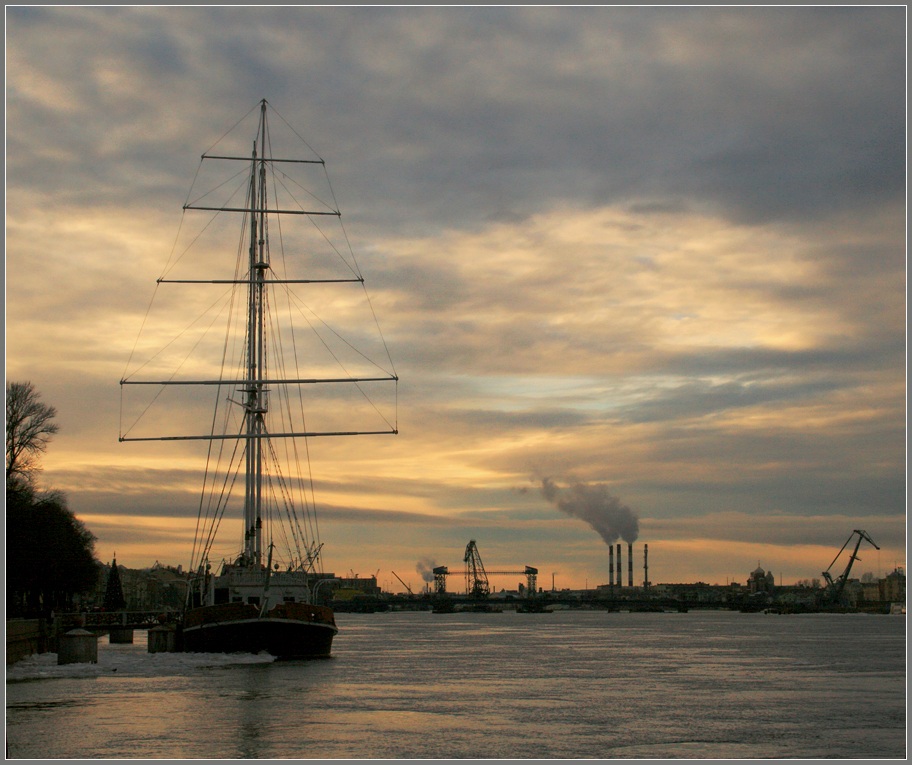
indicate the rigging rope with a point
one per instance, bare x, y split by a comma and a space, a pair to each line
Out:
224, 464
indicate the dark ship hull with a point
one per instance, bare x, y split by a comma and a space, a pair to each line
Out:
287, 631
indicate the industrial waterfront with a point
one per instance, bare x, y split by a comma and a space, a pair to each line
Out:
626, 586
574, 683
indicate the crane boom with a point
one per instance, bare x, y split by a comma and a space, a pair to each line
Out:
403, 583
835, 587
529, 572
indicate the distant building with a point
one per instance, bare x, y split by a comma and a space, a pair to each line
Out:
871, 591
163, 587
358, 585
893, 586
798, 596
698, 592
761, 581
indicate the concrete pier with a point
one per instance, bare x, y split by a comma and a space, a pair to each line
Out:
78, 647
163, 639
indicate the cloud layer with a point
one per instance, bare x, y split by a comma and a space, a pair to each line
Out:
656, 249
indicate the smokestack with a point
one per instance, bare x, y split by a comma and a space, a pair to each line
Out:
645, 566
630, 564
620, 579
611, 565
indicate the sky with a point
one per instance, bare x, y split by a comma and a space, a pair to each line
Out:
642, 260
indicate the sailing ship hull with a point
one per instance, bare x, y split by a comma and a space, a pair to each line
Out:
287, 631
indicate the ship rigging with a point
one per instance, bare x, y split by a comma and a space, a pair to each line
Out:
263, 410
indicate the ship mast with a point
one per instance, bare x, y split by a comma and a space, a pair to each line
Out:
256, 381
256, 404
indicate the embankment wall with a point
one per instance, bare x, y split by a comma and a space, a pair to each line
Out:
25, 637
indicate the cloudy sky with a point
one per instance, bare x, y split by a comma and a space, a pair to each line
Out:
652, 257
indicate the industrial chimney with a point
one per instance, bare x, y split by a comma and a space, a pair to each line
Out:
645, 566
611, 565
620, 579
630, 564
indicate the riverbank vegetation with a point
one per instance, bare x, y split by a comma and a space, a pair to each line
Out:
50, 554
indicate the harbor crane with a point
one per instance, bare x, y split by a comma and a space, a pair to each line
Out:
835, 587
440, 575
404, 584
476, 576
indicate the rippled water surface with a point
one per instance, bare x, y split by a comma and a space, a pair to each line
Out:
572, 684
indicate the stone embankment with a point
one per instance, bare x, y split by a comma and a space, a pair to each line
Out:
25, 637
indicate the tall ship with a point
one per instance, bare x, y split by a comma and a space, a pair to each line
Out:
256, 371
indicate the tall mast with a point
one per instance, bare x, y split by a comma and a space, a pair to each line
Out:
251, 394
256, 404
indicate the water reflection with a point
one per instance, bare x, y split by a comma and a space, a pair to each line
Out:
419, 685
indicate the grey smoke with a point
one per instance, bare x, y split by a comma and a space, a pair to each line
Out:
425, 567
592, 503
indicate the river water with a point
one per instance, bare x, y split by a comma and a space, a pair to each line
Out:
408, 685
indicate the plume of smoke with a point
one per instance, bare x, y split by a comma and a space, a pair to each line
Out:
593, 504
425, 567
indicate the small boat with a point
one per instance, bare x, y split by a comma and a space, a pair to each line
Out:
261, 406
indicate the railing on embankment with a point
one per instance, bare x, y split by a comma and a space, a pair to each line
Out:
95, 621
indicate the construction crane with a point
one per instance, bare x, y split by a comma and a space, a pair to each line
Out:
834, 588
476, 578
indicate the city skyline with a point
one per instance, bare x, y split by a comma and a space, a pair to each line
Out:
647, 258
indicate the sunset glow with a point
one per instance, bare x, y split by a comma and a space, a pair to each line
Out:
673, 267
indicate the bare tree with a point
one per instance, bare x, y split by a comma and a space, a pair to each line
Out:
29, 427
